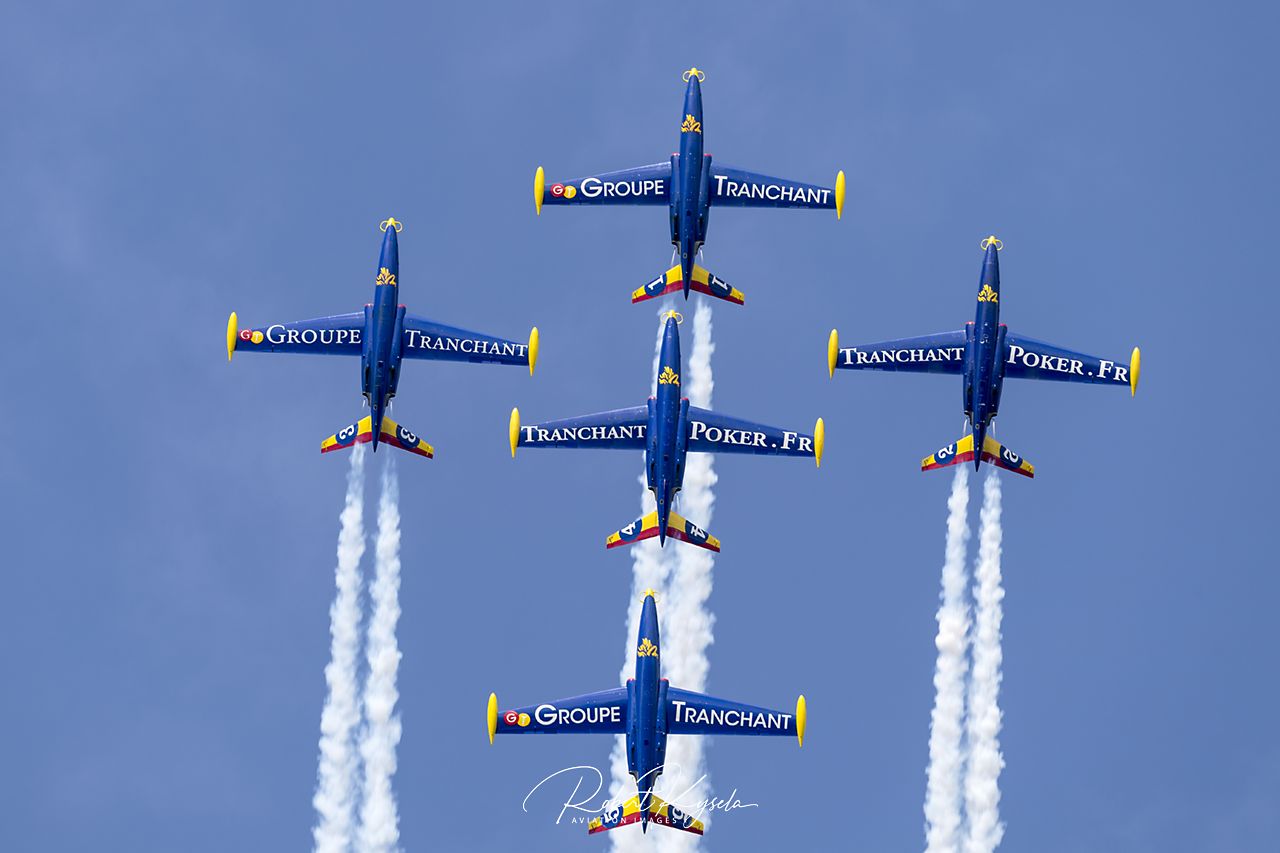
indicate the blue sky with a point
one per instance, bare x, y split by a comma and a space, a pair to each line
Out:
170, 527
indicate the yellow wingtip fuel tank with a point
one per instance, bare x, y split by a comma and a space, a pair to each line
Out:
513, 431
233, 331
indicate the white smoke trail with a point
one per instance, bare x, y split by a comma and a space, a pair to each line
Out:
682, 576
379, 821
649, 570
687, 621
982, 777
334, 799
942, 805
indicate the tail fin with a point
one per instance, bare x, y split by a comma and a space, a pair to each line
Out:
1002, 457
361, 432
992, 451
672, 281
678, 527
660, 812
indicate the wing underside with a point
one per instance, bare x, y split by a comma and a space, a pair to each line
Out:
619, 429
711, 432
690, 713
1027, 358
604, 712
732, 187
940, 353
427, 339
642, 185
340, 334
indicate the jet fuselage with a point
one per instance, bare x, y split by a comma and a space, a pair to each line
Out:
383, 320
691, 198
984, 348
647, 737
667, 431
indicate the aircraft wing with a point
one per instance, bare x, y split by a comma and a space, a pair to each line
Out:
732, 187
940, 353
592, 713
337, 335
620, 429
641, 185
427, 339
710, 432
1028, 358
690, 713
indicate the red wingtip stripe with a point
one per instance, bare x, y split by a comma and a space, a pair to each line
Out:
647, 533
676, 533
361, 438
673, 287
625, 821
967, 456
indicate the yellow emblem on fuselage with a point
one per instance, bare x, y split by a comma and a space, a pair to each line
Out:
646, 649
385, 277
668, 376
691, 125
987, 294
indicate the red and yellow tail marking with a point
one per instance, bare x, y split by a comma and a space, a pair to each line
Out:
628, 814
360, 432
672, 281
961, 451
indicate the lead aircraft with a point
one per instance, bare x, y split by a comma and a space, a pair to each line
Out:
689, 184
647, 710
985, 353
383, 335
666, 429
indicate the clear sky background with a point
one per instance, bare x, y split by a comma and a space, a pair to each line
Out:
169, 526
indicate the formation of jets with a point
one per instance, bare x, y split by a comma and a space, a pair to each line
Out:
667, 428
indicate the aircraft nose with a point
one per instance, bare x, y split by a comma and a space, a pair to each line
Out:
390, 257
991, 259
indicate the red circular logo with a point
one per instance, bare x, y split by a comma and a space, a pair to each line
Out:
557, 190
245, 335
510, 718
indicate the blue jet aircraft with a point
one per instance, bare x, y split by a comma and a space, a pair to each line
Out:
666, 429
382, 335
689, 185
647, 710
985, 353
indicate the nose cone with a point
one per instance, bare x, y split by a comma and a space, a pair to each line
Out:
649, 621
991, 264
671, 346
693, 99
389, 259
